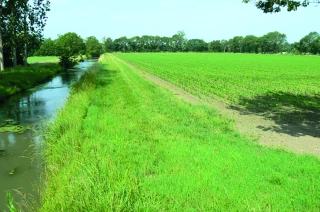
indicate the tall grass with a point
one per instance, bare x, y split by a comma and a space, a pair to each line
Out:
124, 144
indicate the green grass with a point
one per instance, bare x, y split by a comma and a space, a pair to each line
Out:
232, 77
283, 87
14, 80
43, 59
124, 144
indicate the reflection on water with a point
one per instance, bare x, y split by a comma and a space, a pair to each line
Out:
19, 153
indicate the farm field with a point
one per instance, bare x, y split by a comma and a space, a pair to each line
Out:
43, 59
123, 143
283, 87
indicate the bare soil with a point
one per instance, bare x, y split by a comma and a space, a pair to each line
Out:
252, 125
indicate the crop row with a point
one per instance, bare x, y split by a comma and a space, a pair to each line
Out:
263, 83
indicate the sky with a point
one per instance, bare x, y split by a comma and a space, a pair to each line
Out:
204, 19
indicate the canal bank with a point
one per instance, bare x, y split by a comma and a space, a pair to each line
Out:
20, 160
21, 78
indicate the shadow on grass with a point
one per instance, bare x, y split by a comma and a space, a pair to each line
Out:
297, 115
96, 76
105, 77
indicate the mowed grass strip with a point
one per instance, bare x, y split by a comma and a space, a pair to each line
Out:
124, 144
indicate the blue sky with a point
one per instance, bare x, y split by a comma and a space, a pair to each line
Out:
205, 19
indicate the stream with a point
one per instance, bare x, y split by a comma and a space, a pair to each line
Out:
20, 159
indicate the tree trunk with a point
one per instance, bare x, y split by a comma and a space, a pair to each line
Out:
14, 49
1, 52
1, 45
14, 54
25, 56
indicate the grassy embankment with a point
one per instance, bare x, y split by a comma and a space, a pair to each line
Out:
14, 80
123, 144
284, 87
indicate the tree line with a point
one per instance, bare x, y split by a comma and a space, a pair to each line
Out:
71, 44
21, 26
272, 42
68, 46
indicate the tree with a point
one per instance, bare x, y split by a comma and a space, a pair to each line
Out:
93, 47
146, 43
315, 46
27, 20
1, 45
179, 41
273, 42
155, 44
165, 44
121, 44
13, 25
305, 42
287, 47
68, 46
270, 6
197, 45
21, 24
108, 44
224, 44
250, 44
237, 44
215, 46
47, 48
134, 44
34, 20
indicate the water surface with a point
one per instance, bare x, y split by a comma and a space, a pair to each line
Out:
20, 161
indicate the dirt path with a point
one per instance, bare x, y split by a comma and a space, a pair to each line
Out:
254, 126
